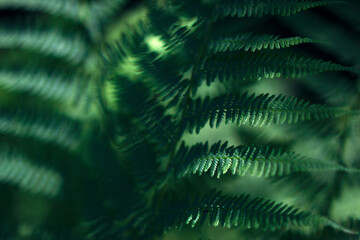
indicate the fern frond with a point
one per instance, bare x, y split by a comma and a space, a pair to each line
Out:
54, 85
46, 41
43, 126
150, 122
257, 160
254, 42
258, 65
258, 8
65, 8
179, 26
257, 111
166, 80
239, 211
16, 169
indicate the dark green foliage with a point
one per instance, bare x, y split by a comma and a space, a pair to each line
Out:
99, 101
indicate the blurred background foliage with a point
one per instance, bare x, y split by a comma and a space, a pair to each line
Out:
52, 98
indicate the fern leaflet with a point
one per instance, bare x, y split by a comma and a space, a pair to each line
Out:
239, 211
259, 65
257, 111
66, 8
257, 160
253, 42
48, 42
54, 85
42, 126
18, 170
258, 8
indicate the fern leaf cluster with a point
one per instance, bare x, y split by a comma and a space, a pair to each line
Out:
108, 112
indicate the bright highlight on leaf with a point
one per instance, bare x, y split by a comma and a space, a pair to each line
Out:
155, 44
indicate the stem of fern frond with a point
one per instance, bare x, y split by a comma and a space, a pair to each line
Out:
187, 98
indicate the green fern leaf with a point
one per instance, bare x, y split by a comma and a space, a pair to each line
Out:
45, 41
16, 169
257, 160
258, 65
239, 211
258, 8
253, 42
257, 111
41, 126
66, 8
54, 85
